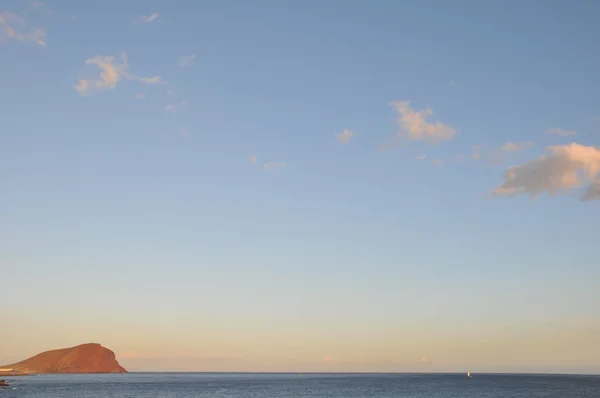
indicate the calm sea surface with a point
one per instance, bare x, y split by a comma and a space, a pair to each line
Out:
302, 385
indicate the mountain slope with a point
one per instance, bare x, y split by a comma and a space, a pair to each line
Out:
85, 358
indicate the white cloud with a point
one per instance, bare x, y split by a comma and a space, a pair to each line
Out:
561, 132
565, 168
111, 73
11, 26
415, 126
344, 137
147, 18
422, 157
187, 60
274, 165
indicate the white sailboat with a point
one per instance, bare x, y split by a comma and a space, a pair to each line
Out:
469, 375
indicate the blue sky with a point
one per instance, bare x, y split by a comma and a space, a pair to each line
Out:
206, 178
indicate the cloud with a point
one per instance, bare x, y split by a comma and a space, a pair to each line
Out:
592, 192
170, 109
561, 132
565, 168
274, 165
422, 157
147, 18
111, 73
37, 4
437, 162
512, 147
476, 149
453, 84
140, 96
414, 125
187, 60
344, 137
8, 30
498, 155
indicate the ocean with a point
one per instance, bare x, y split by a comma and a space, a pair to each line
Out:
302, 385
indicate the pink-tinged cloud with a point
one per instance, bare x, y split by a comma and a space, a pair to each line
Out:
561, 132
111, 73
13, 27
565, 168
414, 124
274, 165
344, 137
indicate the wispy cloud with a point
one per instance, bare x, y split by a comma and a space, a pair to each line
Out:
452, 84
565, 168
344, 137
173, 108
111, 73
38, 5
187, 60
11, 26
437, 162
414, 125
513, 147
498, 155
147, 18
476, 151
561, 132
274, 165
422, 157
170, 109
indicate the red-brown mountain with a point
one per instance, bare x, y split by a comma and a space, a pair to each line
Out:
84, 358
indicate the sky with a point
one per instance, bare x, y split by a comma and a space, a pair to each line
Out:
302, 185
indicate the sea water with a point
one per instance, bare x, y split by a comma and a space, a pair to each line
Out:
302, 385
